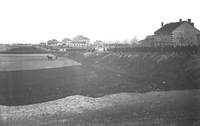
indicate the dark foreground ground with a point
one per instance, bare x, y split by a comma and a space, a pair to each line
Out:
98, 79
112, 74
172, 108
35, 86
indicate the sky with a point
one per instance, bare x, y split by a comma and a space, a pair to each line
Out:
35, 21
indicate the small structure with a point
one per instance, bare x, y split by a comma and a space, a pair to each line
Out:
98, 43
62, 49
177, 32
149, 40
99, 46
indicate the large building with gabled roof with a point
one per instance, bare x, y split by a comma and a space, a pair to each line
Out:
80, 41
177, 32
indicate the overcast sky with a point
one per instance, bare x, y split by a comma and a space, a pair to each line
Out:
34, 21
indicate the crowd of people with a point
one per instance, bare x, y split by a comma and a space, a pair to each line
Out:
188, 49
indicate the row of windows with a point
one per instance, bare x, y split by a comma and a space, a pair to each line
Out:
178, 32
79, 44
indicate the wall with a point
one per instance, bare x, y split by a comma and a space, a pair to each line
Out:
187, 31
163, 38
198, 39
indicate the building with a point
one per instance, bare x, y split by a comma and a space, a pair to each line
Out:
66, 42
80, 41
177, 32
98, 43
149, 40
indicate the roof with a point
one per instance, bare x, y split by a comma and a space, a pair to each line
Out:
80, 37
66, 39
169, 27
98, 42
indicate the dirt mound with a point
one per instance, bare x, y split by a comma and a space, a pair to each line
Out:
68, 105
135, 108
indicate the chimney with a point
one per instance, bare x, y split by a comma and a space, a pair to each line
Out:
189, 21
192, 24
162, 24
180, 20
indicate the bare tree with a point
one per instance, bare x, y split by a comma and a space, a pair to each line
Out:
110, 42
180, 39
117, 42
126, 41
190, 40
134, 40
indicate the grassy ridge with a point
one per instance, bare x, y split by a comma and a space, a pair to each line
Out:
24, 49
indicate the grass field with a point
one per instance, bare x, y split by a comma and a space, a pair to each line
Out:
95, 93
16, 62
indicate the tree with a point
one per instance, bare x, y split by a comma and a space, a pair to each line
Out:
117, 42
180, 38
52, 42
134, 40
126, 41
49, 42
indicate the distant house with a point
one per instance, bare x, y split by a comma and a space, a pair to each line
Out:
147, 41
66, 42
98, 43
99, 46
80, 41
177, 32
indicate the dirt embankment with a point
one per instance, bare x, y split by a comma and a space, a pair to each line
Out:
168, 68
178, 108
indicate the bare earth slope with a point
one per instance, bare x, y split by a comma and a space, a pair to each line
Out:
173, 70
